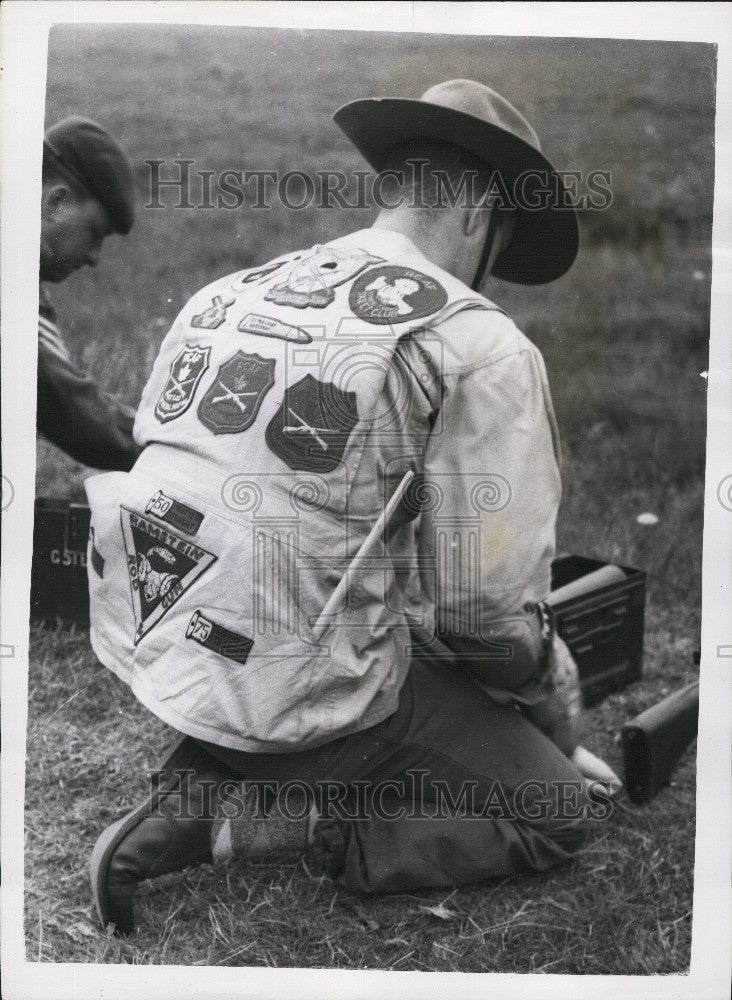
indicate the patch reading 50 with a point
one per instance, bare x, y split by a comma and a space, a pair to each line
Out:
175, 512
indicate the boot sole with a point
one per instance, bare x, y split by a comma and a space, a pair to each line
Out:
182, 754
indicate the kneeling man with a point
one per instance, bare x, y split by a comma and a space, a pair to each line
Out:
287, 406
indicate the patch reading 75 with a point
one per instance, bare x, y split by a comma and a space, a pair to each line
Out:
221, 640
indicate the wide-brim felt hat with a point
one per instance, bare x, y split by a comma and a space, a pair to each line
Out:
470, 115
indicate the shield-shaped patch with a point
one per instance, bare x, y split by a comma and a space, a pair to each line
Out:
162, 565
311, 428
232, 401
186, 372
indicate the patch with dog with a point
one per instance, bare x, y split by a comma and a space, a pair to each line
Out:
161, 565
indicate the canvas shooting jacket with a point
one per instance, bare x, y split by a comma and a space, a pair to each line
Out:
285, 407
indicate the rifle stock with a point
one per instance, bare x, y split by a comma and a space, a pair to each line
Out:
654, 741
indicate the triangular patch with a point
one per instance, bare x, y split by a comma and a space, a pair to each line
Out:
162, 565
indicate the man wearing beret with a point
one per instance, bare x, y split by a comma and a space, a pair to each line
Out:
87, 194
287, 408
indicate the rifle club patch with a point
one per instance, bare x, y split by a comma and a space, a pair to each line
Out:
221, 640
269, 326
214, 316
232, 401
179, 514
393, 294
311, 428
310, 282
161, 566
186, 372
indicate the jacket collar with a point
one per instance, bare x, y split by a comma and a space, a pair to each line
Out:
388, 241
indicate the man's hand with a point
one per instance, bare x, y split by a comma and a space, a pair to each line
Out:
596, 770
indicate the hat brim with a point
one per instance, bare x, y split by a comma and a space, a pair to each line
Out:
545, 239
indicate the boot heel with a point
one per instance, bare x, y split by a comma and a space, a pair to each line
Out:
117, 868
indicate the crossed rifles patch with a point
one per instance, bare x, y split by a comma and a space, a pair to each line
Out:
311, 428
232, 401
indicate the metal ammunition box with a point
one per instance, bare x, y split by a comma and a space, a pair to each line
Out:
603, 628
59, 587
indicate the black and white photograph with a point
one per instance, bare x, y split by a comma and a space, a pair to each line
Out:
360, 622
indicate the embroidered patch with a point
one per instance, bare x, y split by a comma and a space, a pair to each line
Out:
268, 326
180, 515
162, 566
394, 294
97, 560
221, 640
311, 428
214, 316
249, 277
185, 374
310, 283
233, 399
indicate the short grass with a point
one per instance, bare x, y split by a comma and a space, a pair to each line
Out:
624, 335
624, 907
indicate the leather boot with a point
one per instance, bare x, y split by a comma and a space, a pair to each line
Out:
166, 833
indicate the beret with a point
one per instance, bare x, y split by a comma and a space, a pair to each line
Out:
98, 163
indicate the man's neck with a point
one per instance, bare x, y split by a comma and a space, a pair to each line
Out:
435, 239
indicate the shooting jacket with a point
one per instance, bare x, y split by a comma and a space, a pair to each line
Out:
285, 406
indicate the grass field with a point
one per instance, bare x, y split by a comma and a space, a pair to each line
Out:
624, 335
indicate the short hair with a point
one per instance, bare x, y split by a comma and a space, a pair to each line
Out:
437, 182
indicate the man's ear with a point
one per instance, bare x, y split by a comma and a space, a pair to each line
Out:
55, 196
506, 227
476, 218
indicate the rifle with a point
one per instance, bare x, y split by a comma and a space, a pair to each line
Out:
654, 741
324, 620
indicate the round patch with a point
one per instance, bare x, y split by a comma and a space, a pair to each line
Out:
392, 294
